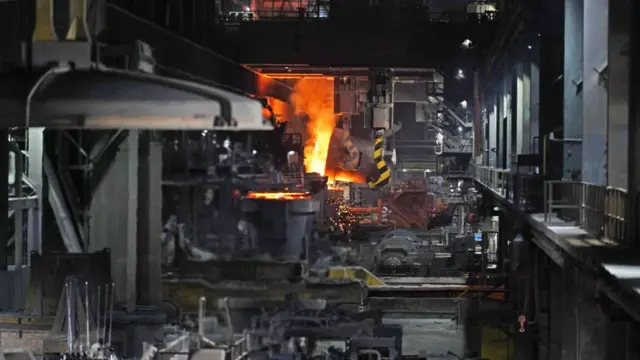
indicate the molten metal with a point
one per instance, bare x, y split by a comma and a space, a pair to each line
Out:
267, 195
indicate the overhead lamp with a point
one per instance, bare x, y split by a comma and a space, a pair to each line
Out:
460, 74
466, 43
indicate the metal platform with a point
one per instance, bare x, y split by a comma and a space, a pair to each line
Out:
416, 287
598, 209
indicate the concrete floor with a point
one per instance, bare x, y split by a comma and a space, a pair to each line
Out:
433, 337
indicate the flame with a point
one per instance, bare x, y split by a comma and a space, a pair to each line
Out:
313, 97
279, 195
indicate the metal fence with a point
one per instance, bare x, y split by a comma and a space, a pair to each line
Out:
525, 190
597, 209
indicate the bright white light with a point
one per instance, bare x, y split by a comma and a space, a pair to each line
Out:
255, 152
460, 128
439, 138
291, 153
529, 47
463, 103
246, 8
404, 170
466, 43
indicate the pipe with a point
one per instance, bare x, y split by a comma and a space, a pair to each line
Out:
201, 312
18, 216
70, 318
227, 313
87, 314
98, 315
58, 69
111, 301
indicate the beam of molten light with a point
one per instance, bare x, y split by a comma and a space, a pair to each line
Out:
314, 98
277, 195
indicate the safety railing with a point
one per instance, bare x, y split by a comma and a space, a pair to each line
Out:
524, 190
241, 347
597, 209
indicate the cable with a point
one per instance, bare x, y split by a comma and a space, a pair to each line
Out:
58, 69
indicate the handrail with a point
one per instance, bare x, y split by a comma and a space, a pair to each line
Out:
599, 210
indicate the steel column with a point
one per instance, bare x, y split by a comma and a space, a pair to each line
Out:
35, 148
4, 199
633, 179
149, 221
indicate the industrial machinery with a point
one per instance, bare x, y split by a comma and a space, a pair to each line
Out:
301, 332
397, 250
356, 154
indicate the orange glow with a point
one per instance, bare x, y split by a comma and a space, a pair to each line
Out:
348, 176
279, 109
279, 195
299, 76
264, 82
314, 98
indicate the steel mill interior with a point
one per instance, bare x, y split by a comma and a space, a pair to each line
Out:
320, 179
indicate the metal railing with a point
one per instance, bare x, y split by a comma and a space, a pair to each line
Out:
241, 347
525, 190
597, 209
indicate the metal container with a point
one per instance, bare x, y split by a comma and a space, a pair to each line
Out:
280, 228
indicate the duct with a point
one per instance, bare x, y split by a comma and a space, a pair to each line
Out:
118, 99
67, 229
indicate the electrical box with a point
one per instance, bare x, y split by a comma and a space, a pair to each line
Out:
381, 117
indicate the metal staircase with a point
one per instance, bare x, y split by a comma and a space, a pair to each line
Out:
447, 120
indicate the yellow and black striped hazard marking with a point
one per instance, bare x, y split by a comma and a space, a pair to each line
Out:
384, 174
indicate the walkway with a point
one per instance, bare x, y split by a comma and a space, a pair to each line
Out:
582, 223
